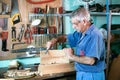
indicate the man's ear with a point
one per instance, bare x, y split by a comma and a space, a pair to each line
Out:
84, 22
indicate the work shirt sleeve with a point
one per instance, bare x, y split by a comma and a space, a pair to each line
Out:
72, 39
95, 48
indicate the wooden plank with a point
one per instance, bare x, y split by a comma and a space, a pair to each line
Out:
55, 68
53, 57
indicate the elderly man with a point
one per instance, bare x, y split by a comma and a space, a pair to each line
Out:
89, 55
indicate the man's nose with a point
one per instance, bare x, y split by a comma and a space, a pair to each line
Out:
74, 26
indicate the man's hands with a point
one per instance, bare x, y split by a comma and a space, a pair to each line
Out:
51, 43
69, 52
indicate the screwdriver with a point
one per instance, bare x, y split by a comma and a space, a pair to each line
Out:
46, 51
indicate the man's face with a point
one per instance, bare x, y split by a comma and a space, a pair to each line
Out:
78, 25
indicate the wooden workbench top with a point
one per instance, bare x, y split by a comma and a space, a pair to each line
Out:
47, 76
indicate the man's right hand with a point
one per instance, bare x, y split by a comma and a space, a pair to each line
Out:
51, 43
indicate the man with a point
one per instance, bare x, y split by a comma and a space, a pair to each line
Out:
89, 55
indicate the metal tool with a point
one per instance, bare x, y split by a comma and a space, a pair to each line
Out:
46, 51
15, 18
21, 33
28, 50
3, 23
13, 33
4, 41
28, 34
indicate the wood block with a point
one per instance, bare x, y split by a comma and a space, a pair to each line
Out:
53, 57
55, 68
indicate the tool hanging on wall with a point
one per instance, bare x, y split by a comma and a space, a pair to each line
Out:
0, 41
5, 7
36, 49
15, 18
21, 33
3, 23
13, 33
0, 7
15, 9
28, 34
4, 41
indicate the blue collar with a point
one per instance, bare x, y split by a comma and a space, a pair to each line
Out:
88, 31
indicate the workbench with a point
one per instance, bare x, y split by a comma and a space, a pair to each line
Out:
65, 76
60, 76
34, 63
31, 63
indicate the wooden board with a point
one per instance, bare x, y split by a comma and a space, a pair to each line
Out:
55, 68
53, 57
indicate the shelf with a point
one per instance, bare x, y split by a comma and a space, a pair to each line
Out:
115, 31
46, 34
116, 41
116, 14
68, 14
33, 14
98, 13
4, 16
103, 14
